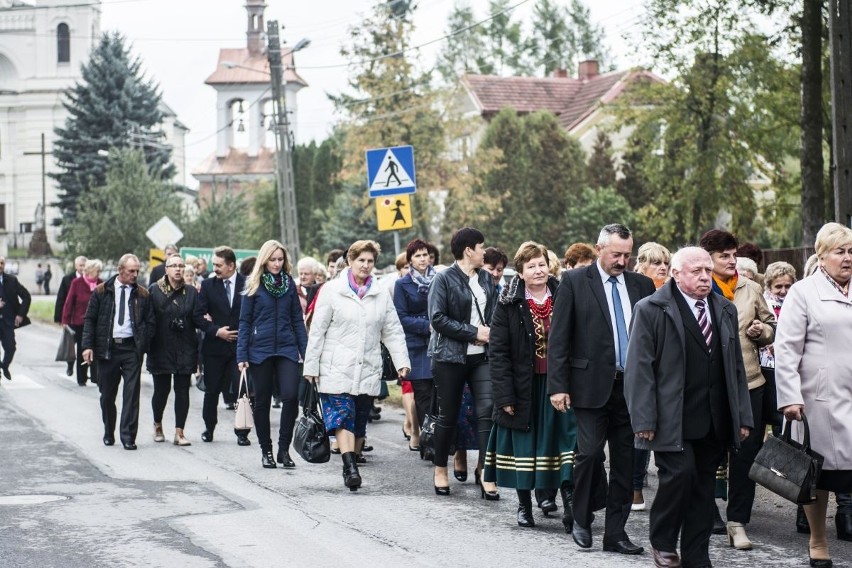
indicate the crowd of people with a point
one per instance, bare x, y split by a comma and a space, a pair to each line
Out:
685, 355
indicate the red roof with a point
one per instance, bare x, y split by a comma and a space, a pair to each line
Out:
570, 99
238, 162
248, 69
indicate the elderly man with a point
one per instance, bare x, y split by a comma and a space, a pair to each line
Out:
118, 327
686, 389
587, 351
14, 305
62, 295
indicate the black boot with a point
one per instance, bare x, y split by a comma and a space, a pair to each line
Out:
267, 460
351, 476
567, 493
284, 458
525, 516
843, 522
802, 526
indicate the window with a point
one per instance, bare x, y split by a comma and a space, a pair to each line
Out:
63, 44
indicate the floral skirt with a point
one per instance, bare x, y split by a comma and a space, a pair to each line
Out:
540, 458
347, 412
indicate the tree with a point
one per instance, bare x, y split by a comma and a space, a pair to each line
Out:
113, 106
222, 219
562, 36
459, 53
811, 156
595, 208
112, 218
601, 166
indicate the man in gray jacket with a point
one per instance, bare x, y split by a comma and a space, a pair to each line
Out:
687, 393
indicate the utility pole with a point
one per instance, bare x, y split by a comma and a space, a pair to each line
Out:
283, 151
840, 28
39, 246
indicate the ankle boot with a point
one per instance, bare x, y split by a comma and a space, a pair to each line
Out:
179, 439
567, 493
802, 525
158, 432
351, 475
843, 522
737, 537
525, 516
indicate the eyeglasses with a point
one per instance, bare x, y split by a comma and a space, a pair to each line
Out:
176, 266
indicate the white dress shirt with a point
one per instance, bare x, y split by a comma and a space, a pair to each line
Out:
625, 305
125, 330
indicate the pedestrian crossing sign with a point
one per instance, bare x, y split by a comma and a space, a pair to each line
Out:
390, 171
394, 212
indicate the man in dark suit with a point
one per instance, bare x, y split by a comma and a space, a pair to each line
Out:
14, 306
62, 295
219, 303
587, 350
687, 392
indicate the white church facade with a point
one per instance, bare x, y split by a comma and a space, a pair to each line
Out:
43, 44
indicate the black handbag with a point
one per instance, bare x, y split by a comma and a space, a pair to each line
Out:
788, 468
310, 437
388, 371
67, 346
427, 429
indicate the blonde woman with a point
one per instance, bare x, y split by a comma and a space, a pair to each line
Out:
271, 341
654, 261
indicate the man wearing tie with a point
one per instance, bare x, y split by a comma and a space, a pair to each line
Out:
117, 330
586, 358
14, 305
687, 392
219, 304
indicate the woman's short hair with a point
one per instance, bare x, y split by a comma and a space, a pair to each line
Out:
652, 253
93, 265
189, 273
433, 251
464, 238
414, 246
745, 264
752, 251
247, 265
717, 240
495, 257
308, 263
553, 264
579, 252
527, 252
830, 237
401, 260
360, 247
778, 270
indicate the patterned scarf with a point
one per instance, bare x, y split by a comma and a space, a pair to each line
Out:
166, 288
361, 291
842, 289
422, 281
774, 302
725, 287
276, 284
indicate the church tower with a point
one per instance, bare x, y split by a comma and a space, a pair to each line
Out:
245, 147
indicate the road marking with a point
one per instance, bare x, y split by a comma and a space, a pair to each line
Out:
20, 382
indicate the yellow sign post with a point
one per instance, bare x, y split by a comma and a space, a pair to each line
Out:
155, 257
394, 212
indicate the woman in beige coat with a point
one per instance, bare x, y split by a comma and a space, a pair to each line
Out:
757, 329
352, 318
813, 371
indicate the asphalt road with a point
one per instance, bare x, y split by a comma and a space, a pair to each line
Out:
66, 500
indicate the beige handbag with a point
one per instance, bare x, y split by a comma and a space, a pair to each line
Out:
243, 419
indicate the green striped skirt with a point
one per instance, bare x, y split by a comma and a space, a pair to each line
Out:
540, 458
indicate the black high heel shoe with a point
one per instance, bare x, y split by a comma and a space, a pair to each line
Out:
406, 436
443, 491
267, 460
488, 495
460, 475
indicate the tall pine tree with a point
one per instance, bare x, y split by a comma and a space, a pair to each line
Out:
113, 106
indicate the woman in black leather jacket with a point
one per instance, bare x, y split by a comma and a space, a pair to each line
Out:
461, 301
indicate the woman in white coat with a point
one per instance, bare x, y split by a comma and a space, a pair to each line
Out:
813, 371
352, 317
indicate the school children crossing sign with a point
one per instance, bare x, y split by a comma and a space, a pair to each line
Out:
390, 171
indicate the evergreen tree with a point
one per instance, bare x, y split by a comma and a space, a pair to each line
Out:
303, 161
113, 106
221, 219
563, 36
459, 53
112, 218
601, 166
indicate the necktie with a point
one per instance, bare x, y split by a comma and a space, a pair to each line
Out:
620, 325
704, 322
228, 292
121, 302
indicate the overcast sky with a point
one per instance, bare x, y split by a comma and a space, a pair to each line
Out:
179, 40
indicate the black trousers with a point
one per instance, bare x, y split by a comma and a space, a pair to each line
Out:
162, 387
220, 375
740, 487
7, 340
684, 502
595, 428
285, 373
450, 379
424, 390
124, 364
82, 370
